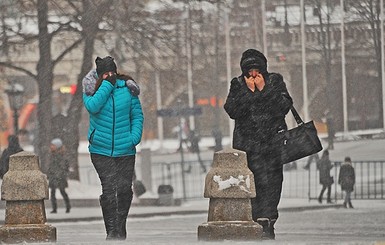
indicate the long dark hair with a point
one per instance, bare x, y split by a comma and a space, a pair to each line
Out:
118, 76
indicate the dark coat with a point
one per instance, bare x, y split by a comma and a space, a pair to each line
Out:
324, 165
258, 115
347, 177
58, 170
13, 148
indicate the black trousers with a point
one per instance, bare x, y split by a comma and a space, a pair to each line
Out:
268, 177
115, 174
64, 195
324, 187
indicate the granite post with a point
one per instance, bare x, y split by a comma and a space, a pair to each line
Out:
24, 189
229, 185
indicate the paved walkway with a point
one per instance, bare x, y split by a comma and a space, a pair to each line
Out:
199, 206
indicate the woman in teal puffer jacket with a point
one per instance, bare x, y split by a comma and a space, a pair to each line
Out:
116, 125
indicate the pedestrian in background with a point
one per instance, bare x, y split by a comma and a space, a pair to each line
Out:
58, 171
183, 131
347, 179
258, 101
116, 126
13, 148
324, 166
331, 132
194, 141
310, 159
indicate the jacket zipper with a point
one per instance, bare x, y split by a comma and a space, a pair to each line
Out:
113, 124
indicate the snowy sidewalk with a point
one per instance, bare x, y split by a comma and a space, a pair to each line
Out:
199, 206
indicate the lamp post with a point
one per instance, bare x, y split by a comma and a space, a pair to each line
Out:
15, 93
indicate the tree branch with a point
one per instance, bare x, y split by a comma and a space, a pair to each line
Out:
17, 68
66, 51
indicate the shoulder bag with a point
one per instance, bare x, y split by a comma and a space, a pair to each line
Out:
297, 142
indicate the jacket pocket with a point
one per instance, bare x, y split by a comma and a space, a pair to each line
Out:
91, 138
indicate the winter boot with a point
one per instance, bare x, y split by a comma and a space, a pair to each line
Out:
271, 229
124, 204
54, 206
266, 228
350, 204
66, 201
109, 216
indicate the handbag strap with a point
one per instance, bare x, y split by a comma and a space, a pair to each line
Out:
297, 117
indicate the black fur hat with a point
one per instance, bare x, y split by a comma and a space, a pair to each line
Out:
105, 65
253, 59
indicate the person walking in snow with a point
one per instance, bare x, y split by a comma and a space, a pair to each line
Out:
58, 170
13, 148
347, 179
116, 126
258, 101
324, 166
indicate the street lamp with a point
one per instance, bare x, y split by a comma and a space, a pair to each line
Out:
15, 93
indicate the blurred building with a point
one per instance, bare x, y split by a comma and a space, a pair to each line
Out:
170, 63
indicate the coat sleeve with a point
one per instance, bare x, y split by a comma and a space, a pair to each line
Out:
280, 93
238, 100
354, 176
96, 102
136, 120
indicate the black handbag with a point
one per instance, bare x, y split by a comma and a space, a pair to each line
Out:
297, 142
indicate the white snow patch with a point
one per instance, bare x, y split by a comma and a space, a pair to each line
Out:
232, 181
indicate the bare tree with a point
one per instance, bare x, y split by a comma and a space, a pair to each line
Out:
88, 14
45, 66
367, 13
327, 46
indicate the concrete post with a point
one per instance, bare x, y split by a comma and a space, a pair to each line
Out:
24, 189
145, 168
229, 185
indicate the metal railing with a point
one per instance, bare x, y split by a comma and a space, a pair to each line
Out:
298, 182
187, 184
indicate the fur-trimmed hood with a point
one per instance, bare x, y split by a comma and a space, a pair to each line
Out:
90, 79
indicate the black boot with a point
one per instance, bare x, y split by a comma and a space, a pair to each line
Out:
345, 205
350, 204
267, 228
320, 199
271, 229
124, 204
53, 201
54, 206
66, 201
109, 215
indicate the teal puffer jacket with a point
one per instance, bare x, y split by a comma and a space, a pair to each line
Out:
116, 120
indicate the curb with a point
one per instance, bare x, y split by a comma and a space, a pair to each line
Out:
182, 212
309, 208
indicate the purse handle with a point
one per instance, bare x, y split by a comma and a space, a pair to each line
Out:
297, 117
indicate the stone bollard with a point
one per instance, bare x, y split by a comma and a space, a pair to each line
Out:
229, 185
24, 189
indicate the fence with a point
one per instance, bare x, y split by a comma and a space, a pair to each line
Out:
298, 182
369, 180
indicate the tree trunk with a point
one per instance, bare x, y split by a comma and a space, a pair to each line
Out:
44, 79
75, 109
90, 21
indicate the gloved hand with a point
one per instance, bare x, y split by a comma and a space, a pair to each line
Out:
133, 87
111, 77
